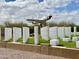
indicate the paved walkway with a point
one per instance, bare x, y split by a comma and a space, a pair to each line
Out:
16, 54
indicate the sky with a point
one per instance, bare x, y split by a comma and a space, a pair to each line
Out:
20, 10
14, 0
9, 0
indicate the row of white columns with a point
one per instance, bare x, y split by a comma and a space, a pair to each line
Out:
26, 34
55, 32
16, 34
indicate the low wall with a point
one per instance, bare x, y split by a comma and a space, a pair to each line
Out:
24, 47
44, 49
64, 52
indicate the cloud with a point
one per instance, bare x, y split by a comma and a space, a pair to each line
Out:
20, 10
66, 16
21, 3
2, 0
35, 4
53, 3
39, 7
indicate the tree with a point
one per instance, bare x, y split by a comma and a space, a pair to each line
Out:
52, 24
8, 24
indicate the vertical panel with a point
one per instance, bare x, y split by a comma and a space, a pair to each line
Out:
0, 33
36, 35
68, 31
16, 34
45, 33
75, 31
25, 34
53, 32
8, 34
61, 33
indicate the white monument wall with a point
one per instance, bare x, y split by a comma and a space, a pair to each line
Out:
68, 31
53, 32
61, 33
25, 34
8, 34
16, 33
45, 33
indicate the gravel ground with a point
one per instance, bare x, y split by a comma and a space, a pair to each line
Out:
17, 54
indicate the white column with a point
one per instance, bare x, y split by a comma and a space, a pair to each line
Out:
36, 35
53, 32
45, 33
8, 34
61, 33
16, 34
25, 34
68, 31
0, 33
75, 30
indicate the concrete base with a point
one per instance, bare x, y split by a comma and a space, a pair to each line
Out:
71, 53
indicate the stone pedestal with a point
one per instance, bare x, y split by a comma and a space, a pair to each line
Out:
54, 42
